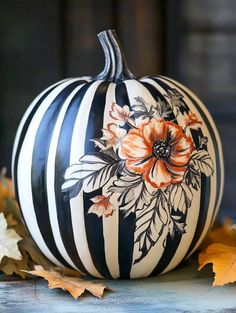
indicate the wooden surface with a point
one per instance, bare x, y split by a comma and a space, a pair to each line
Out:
183, 290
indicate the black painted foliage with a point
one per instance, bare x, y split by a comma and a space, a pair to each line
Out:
159, 211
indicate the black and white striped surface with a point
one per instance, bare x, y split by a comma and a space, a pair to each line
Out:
53, 134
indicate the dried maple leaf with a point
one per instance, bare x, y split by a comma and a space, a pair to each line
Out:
223, 259
225, 234
8, 241
6, 188
10, 266
221, 252
74, 285
36, 257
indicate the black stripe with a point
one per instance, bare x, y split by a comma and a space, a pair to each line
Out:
126, 224
62, 161
93, 224
23, 133
171, 243
205, 181
20, 142
39, 173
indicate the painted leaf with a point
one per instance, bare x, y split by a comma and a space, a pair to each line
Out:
133, 193
176, 224
93, 172
181, 197
202, 160
8, 241
150, 225
74, 285
192, 177
141, 109
162, 109
223, 259
101, 206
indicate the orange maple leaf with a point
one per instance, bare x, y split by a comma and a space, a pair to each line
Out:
74, 285
223, 259
221, 252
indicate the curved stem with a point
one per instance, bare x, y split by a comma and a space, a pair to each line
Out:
115, 68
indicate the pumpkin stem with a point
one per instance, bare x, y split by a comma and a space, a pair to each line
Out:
115, 68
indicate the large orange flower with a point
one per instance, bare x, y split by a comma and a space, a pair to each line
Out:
159, 150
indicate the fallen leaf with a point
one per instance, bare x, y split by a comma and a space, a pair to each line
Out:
223, 259
8, 241
74, 285
13, 216
36, 257
11, 221
30, 252
225, 234
10, 266
6, 188
220, 250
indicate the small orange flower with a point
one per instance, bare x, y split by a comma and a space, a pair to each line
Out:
113, 135
101, 206
120, 114
159, 150
191, 119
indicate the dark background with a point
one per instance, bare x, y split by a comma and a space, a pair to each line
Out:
193, 41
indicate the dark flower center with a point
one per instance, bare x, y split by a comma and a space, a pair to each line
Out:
161, 149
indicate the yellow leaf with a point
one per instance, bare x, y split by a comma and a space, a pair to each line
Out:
74, 285
223, 259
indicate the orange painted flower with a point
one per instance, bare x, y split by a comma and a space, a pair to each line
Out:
191, 120
158, 150
101, 206
113, 135
120, 114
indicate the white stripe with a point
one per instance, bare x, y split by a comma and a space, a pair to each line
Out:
219, 196
51, 179
24, 118
193, 211
149, 262
211, 151
77, 204
24, 172
111, 223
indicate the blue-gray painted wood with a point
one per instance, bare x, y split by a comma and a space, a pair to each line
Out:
182, 290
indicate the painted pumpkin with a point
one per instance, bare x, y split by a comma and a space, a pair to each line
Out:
117, 176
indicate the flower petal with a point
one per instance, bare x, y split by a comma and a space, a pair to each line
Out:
181, 152
98, 198
155, 130
184, 144
175, 132
139, 166
134, 145
177, 173
157, 175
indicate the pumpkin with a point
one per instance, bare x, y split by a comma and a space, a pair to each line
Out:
118, 177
